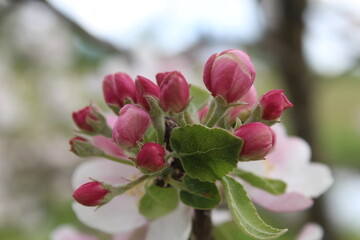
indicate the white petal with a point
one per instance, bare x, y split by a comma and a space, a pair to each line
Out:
219, 216
118, 216
103, 170
290, 153
311, 231
311, 180
288, 202
121, 213
257, 167
67, 232
174, 226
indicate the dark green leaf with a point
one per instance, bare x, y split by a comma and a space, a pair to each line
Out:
200, 195
206, 154
158, 201
273, 186
244, 213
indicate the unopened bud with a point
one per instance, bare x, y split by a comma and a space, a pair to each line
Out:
91, 194
130, 126
229, 74
145, 87
202, 113
82, 118
117, 88
258, 140
174, 92
242, 111
273, 104
151, 157
83, 147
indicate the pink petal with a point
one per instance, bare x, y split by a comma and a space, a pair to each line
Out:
288, 151
108, 146
288, 202
67, 232
311, 231
137, 234
111, 120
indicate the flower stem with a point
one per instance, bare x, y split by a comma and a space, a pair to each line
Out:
188, 118
157, 119
121, 189
202, 225
119, 160
220, 109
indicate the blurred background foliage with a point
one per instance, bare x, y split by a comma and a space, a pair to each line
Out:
54, 55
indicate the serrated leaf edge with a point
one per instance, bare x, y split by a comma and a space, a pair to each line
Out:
224, 182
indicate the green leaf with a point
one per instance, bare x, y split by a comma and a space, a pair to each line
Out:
158, 201
273, 186
230, 231
199, 97
206, 154
244, 213
200, 195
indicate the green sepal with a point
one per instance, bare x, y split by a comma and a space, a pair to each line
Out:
85, 149
157, 118
99, 125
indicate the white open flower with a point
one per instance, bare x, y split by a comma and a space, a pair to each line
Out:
120, 216
290, 162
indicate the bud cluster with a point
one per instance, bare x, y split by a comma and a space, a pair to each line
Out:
140, 132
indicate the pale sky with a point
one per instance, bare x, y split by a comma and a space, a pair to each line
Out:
175, 24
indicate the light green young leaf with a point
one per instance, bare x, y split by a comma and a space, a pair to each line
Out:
200, 195
273, 186
199, 97
244, 213
206, 154
158, 201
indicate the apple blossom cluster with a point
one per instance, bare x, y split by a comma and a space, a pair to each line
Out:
171, 147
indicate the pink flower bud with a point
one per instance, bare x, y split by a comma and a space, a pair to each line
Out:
91, 194
117, 88
151, 157
81, 118
145, 87
109, 147
250, 97
258, 140
174, 92
130, 126
160, 77
76, 139
229, 74
202, 113
273, 104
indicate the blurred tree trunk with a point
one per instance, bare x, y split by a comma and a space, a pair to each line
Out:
286, 45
